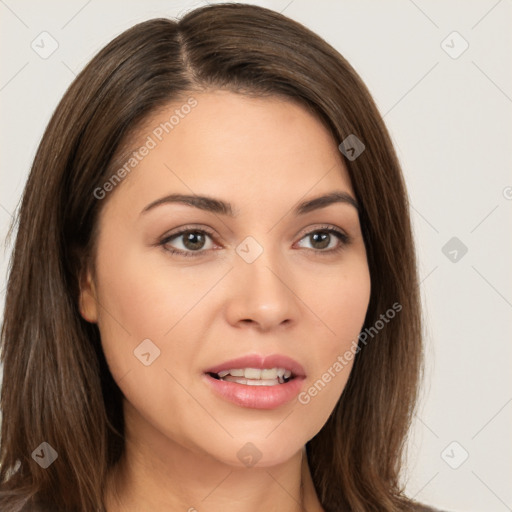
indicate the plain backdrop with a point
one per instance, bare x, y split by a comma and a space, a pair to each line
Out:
441, 75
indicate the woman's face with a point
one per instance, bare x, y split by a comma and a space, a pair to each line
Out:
260, 278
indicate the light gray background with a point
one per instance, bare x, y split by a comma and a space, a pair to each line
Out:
450, 119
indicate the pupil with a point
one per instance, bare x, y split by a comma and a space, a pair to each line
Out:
191, 240
323, 237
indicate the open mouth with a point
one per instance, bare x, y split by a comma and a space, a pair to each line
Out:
255, 376
257, 382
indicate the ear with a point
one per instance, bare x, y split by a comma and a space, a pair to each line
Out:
88, 301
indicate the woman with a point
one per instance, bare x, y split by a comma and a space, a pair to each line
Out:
213, 301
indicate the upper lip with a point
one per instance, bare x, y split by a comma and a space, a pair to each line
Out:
260, 361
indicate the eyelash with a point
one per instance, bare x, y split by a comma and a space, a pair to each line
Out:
342, 237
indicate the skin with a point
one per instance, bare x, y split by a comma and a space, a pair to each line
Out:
264, 156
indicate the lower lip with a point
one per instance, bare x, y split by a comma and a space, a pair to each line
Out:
256, 397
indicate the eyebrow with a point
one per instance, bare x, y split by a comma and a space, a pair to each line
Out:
218, 206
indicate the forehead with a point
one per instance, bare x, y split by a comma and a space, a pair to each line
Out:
223, 143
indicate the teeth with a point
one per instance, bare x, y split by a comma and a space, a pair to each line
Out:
262, 382
256, 376
270, 374
229, 378
252, 382
252, 373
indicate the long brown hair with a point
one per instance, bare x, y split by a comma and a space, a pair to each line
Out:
56, 385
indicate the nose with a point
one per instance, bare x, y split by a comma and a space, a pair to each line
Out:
261, 293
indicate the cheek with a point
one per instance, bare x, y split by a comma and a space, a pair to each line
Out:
145, 332
142, 293
144, 297
341, 302
139, 301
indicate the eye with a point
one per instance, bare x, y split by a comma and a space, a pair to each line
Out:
190, 242
194, 242
327, 240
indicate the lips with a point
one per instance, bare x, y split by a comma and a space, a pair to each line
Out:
253, 393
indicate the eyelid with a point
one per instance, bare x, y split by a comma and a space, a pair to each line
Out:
324, 227
163, 241
189, 228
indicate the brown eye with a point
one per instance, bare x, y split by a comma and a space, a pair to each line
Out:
187, 242
193, 240
326, 240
